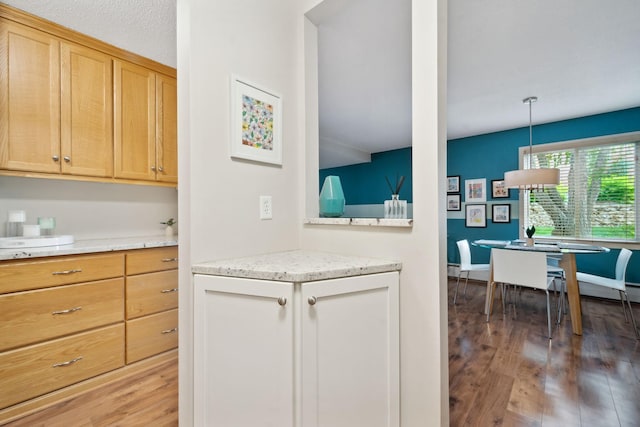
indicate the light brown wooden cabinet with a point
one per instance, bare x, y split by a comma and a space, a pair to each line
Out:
151, 302
71, 322
75, 109
145, 124
30, 100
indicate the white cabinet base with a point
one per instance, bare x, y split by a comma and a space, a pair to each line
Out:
327, 357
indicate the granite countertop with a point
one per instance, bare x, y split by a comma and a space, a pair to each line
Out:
90, 246
296, 266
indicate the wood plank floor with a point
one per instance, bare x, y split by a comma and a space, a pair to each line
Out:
508, 373
149, 398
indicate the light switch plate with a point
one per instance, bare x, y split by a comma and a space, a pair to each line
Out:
266, 208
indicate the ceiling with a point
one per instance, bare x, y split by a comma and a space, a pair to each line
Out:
579, 57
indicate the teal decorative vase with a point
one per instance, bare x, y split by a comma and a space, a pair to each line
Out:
331, 197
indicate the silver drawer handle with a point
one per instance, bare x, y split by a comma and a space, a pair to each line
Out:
282, 301
169, 259
169, 331
312, 300
67, 363
67, 311
166, 291
75, 270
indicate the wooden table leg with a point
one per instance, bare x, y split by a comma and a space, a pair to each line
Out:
488, 302
568, 263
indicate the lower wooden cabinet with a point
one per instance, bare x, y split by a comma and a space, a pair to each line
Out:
151, 335
323, 353
67, 320
31, 371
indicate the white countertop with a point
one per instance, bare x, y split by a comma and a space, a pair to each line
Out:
296, 266
90, 246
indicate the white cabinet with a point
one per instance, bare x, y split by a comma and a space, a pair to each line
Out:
313, 354
244, 348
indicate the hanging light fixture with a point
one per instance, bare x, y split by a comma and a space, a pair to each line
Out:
529, 178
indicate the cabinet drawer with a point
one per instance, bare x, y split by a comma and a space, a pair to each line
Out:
155, 259
151, 293
32, 316
24, 275
151, 335
32, 371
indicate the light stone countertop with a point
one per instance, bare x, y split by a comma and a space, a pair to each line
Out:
296, 266
90, 246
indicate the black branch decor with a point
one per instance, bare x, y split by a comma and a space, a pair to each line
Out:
399, 182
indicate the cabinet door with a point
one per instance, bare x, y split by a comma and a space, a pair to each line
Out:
86, 112
350, 352
243, 352
167, 129
30, 90
134, 121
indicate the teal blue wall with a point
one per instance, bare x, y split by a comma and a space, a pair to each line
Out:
487, 156
364, 183
490, 155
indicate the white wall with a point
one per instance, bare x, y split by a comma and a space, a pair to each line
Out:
255, 39
89, 210
422, 249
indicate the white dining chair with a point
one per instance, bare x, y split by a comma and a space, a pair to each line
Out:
618, 283
520, 268
466, 266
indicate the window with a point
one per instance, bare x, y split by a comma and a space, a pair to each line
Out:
596, 198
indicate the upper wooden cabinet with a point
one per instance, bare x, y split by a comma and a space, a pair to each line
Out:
73, 107
87, 112
166, 129
145, 124
29, 99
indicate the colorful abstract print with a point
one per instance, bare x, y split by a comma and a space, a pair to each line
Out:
257, 123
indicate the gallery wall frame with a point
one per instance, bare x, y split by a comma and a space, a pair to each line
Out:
453, 202
475, 216
256, 122
453, 184
475, 190
498, 189
501, 213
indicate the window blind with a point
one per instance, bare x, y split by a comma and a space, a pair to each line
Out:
596, 198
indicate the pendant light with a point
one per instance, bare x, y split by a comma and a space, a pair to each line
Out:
529, 178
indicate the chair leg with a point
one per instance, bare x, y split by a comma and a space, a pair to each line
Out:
624, 310
455, 295
633, 319
491, 288
548, 314
466, 282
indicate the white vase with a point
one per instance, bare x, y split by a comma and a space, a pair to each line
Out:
394, 208
168, 231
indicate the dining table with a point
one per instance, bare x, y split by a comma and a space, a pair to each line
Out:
566, 254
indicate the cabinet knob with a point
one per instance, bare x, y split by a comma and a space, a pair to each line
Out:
312, 300
153, 168
282, 301
55, 158
160, 169
67, 159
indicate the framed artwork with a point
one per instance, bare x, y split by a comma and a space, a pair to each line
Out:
501, 213
453, 202
453, 184
498, 189
476, 215
256, 122
475, 190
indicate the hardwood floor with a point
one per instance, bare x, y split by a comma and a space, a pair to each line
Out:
145, 399
508, 373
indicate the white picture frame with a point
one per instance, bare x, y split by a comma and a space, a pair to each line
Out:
256, 122
475, 190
